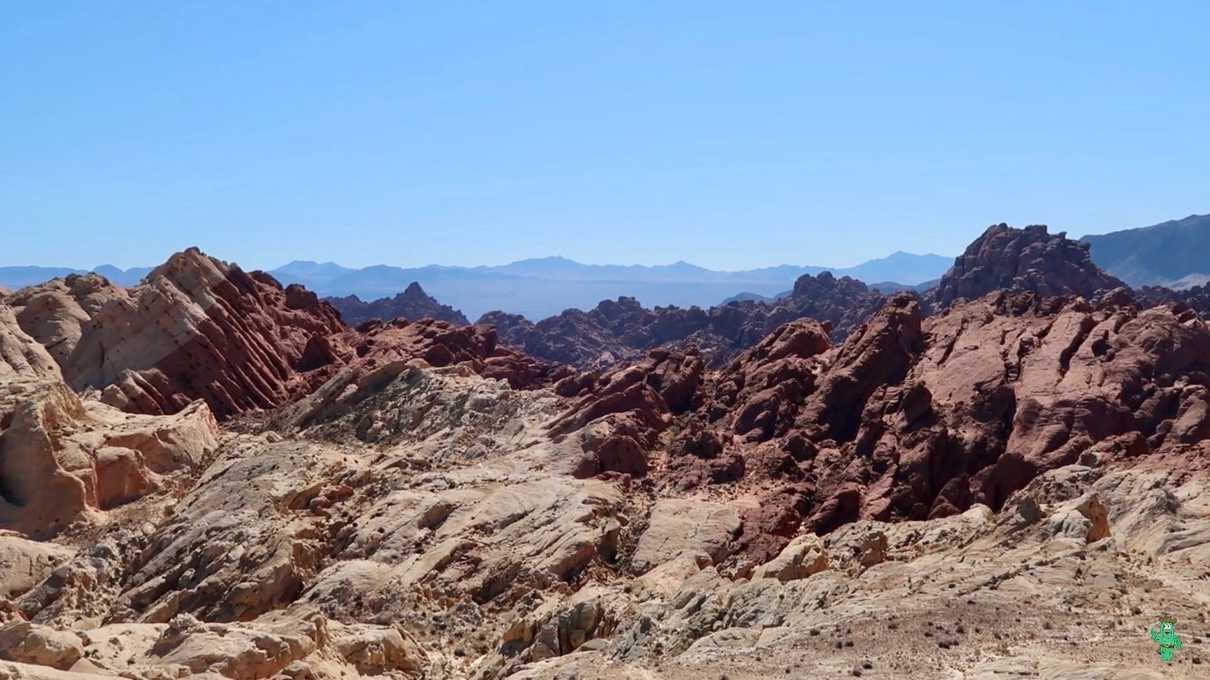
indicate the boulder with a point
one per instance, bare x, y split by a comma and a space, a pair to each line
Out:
804, 556
24, 563
30, 643
62, 457
685, 526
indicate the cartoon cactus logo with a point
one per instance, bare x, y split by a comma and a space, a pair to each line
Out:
1167, 639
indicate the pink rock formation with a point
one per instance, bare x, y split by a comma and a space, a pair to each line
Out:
61, 458
21, 355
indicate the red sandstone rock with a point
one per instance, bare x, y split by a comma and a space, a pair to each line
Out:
199, 327
438, 344
914, 417
1028, 259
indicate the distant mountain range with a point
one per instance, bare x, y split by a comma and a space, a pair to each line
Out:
542, 287
1175, 254
13, 278
888, 287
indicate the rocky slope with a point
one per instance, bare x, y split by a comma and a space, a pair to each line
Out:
1028, 259
910, 418
412, 304
623, 329
1015, 486
433, 523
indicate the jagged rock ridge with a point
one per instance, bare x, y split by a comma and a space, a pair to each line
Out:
1028, 259
622, 329
412, 304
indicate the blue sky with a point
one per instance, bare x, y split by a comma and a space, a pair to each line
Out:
731, 135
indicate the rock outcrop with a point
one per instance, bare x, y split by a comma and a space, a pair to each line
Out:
380, 346
62, 458
20, 355
1028, 259
911, 417
202, 328
1196, 298
412, 304
57, 312
423, 522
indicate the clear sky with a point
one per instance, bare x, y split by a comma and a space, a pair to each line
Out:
731, 135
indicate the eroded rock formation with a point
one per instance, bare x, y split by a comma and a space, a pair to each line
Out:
62, 457
913, 417
200, 328
21, 355
57, 312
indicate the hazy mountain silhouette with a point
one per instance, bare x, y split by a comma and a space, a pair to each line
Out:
13, 278
1172, 253
525, 287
